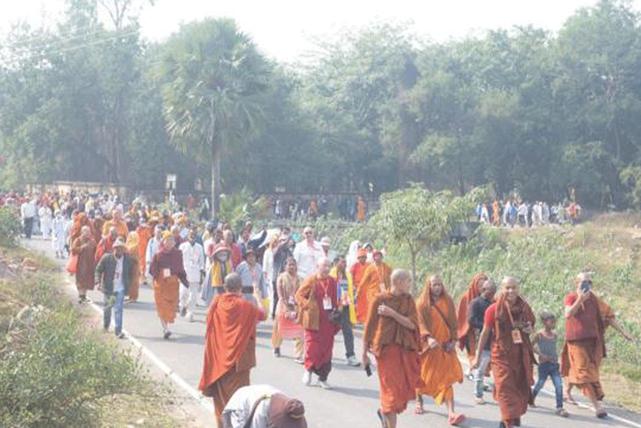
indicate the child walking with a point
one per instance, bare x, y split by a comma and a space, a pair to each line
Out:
544, 343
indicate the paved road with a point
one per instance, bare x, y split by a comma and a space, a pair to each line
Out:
354, 399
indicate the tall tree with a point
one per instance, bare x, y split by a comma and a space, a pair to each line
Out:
212, 79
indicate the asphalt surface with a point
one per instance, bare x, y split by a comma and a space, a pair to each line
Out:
352, 402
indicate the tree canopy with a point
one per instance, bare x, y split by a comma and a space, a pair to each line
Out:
523, 110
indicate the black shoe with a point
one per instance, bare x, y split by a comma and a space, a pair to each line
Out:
277, 352
167, 335
183, 312
120, 335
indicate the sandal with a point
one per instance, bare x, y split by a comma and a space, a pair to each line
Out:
419, 410
456, 419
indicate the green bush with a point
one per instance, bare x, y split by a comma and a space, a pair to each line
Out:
10, 227
53, 373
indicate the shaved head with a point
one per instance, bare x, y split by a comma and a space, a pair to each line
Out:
233, 284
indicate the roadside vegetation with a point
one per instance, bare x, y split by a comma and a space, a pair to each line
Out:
57, 372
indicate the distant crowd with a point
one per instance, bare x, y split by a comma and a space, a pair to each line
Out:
512, 212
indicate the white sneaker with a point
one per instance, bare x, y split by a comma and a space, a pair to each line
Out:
307, 378
323, 384
353, 362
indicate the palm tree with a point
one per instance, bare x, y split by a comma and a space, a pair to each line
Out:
212, 79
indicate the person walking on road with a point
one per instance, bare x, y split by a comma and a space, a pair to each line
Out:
346, 300
375, 280
28, 214
194, 263
476, 316
320, 317
509, 322
440, 366
307, 254
115, 273
153, 246
84, 248
285, 325
168, 272
544, 344
467, 335
586, 318
392, 335
230, 345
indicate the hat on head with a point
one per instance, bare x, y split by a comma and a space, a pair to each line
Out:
119, 242
221, 247
362, 252
285, 412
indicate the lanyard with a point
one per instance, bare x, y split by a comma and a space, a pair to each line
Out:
509, 314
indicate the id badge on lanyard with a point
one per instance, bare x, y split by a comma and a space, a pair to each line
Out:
517, 339
166, 273
327, 303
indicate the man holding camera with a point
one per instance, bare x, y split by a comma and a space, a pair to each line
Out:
586, 318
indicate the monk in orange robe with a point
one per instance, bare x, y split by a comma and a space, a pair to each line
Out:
132, 249
509, 321
496, 213
116, 221
167, 270
391, 334
230, 344
376, 279
440, 367
586, 319
467, 339
145, 232
358, 269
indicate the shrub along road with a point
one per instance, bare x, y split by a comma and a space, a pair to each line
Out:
354, 399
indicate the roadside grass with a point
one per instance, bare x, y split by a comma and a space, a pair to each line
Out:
54, 370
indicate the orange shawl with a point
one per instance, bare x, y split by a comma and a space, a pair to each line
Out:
424, 304
231, 323
369, 287
383, 331
473, 291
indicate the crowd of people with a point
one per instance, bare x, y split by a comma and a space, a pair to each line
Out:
312, 292
516, 212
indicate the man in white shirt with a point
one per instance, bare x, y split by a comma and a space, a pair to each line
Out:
194, 263
307, 253
28, 213
271, 409
153, 246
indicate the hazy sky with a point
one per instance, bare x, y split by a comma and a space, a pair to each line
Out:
283, 28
